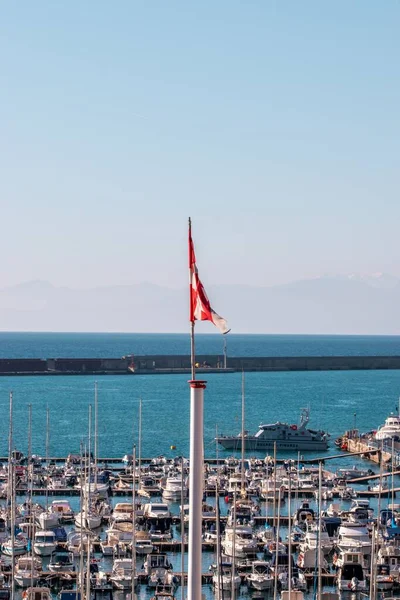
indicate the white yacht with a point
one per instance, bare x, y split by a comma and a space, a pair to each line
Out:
287, 437
390, 429
351, 574
174, 487
44, 543
27, 571
239, 541
121, 576
261, 577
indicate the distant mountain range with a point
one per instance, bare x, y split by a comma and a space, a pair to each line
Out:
342, 304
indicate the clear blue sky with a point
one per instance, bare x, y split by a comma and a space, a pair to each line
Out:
275, 125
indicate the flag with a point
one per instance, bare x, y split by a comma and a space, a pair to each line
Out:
200, 308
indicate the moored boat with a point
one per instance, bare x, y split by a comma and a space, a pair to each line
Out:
286, 437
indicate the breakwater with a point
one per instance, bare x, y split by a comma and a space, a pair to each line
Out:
170, 364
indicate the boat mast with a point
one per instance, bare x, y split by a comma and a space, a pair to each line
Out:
133, 522
274, 481
30, 485
95, 433
88, 511
47, 453
89, 457
393, 469
233, 569
140, 445
182, 534
372, 584
277, 546
11, 485
290, 532
319, 530
81, 581
220, 592
243, 449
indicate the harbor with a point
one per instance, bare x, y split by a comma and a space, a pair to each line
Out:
275, 502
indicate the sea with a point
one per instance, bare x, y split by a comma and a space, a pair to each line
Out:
338, 400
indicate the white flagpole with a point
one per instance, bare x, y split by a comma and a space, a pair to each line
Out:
197, 388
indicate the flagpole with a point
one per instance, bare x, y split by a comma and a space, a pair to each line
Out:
191, 318
196, 475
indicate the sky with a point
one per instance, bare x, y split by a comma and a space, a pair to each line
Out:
274, 125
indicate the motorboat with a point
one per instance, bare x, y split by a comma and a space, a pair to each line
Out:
44, 542
63, 510
313, 537
239, 541
37, 593
121, 575
261, 577
61, 561
383, 578
390, 429
48, 519
27, 571
174, 488
88, 519
354, 537
295, 437
225, 577
351, 576
17, 549
158, 569
143, 543
157, 510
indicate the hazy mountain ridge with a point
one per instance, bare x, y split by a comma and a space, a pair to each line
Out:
330, 304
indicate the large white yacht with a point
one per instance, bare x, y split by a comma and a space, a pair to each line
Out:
287, 437
390, 429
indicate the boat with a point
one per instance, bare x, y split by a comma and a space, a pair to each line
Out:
390, 429
61, 561
225, 577
37, 593
27, 571
351, 574
174, 487
44, 542
286, 437
260, 578
122, 574
239, 541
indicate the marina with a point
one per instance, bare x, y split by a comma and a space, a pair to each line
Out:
276, 497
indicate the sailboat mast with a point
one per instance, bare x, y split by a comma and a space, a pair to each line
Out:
95, 433
290, 531
243, 448
30, 485
277, 546
81, 581
47, 453
89, 457
11, 486
319, 530
133, 521
182, 534
140, 445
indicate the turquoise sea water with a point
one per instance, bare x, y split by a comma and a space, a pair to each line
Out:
334, 397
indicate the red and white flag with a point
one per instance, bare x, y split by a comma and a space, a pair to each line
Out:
200, 307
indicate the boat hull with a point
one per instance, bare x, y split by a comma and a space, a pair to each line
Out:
254, 444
